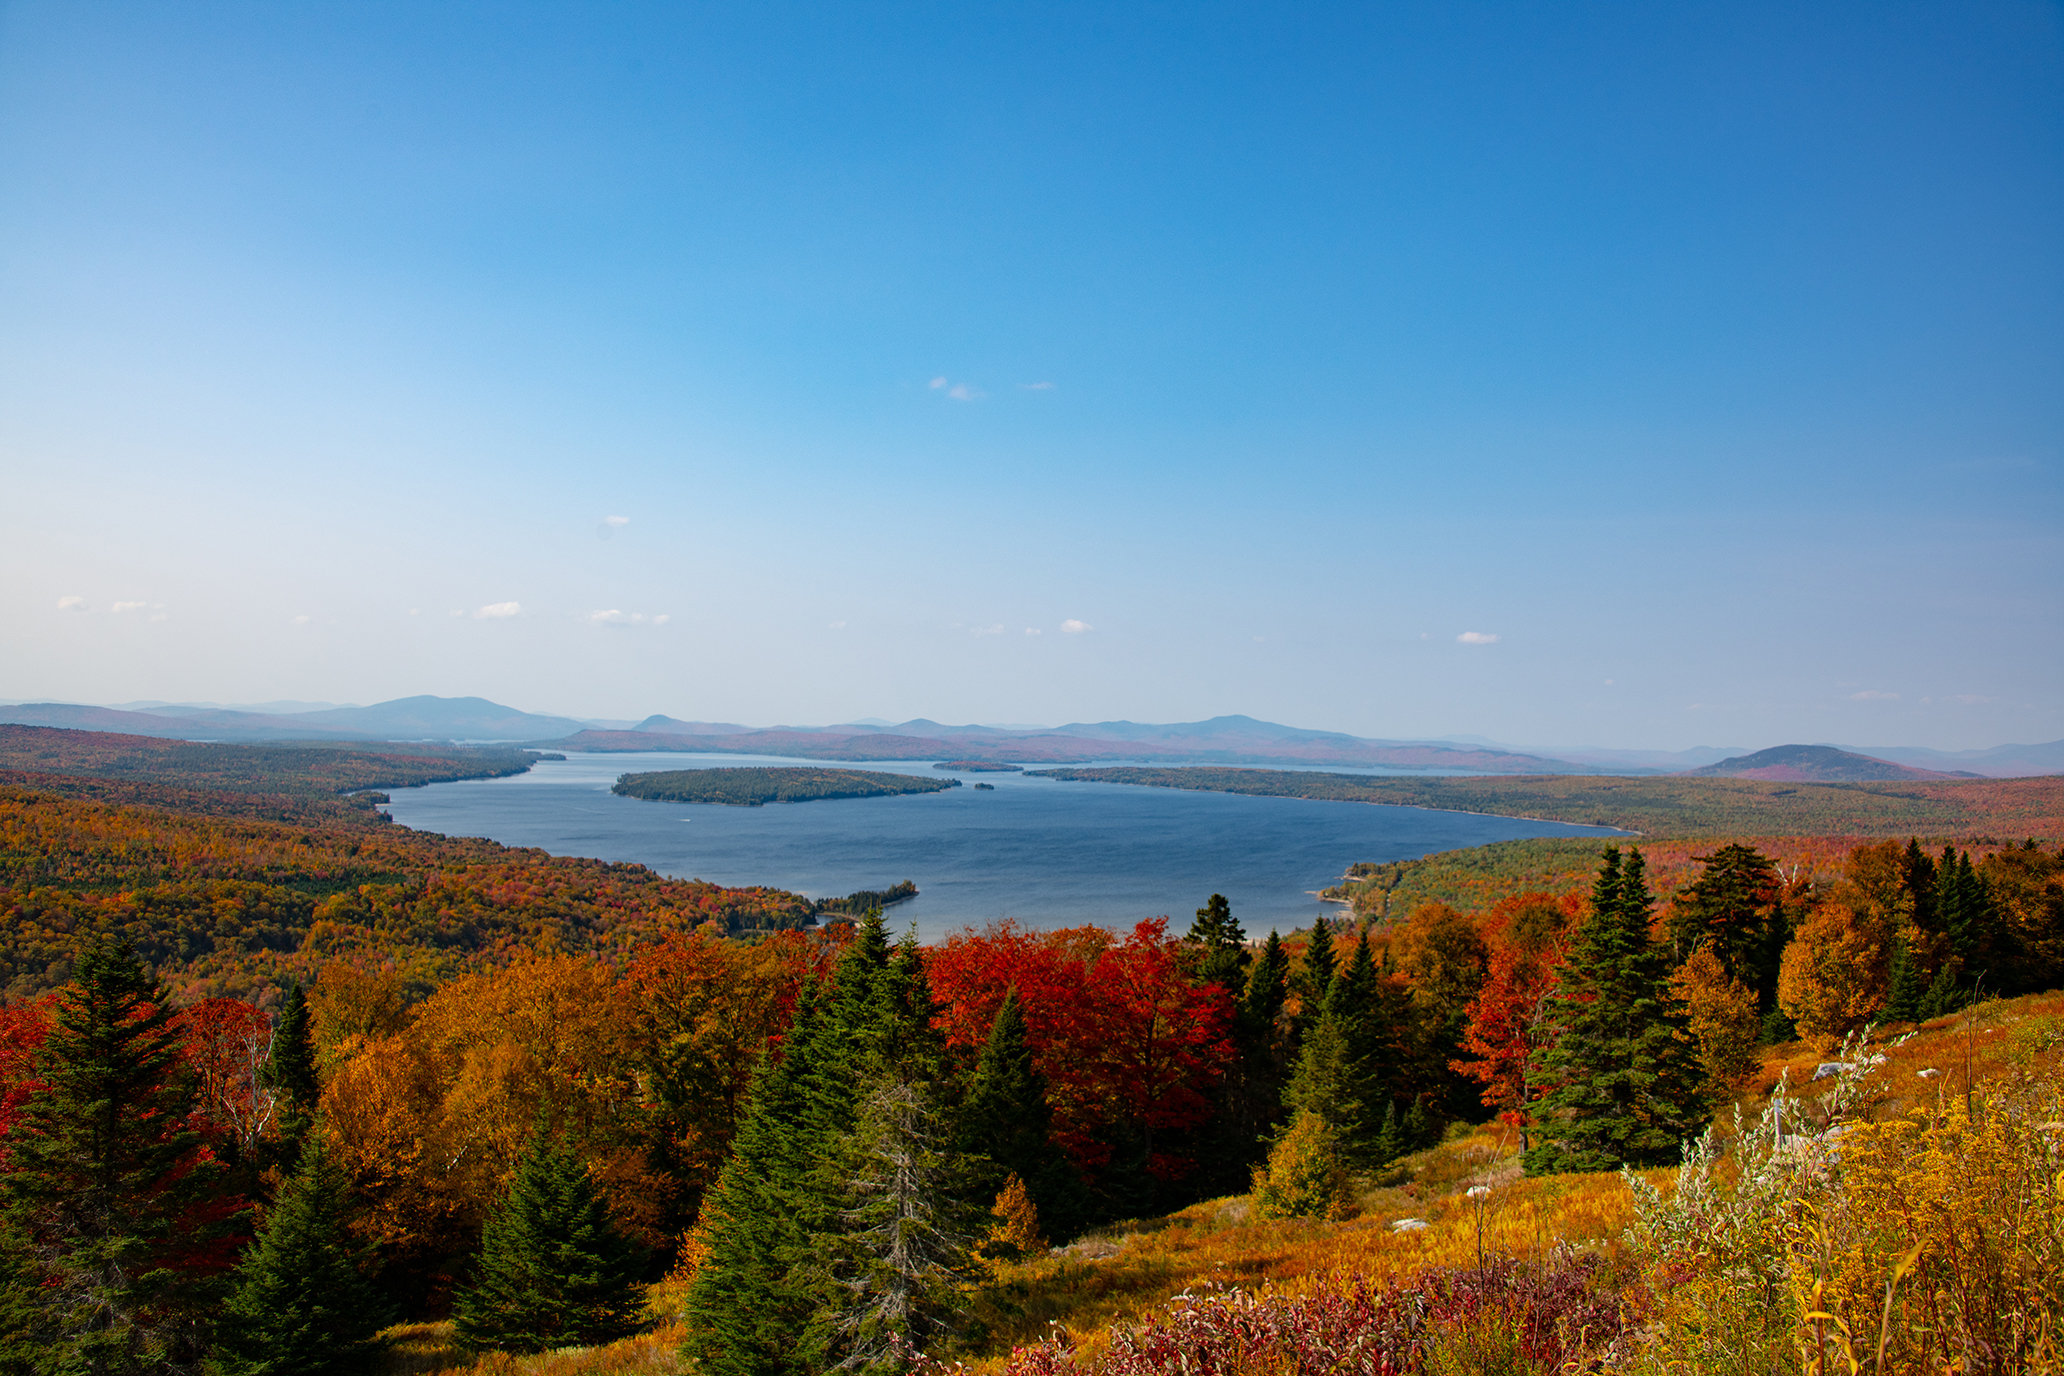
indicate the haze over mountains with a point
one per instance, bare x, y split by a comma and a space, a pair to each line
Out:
1219, 740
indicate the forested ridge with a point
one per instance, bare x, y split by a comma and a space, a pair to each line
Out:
1668, 806
524, 1103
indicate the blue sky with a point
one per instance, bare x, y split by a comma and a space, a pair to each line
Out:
1703, 365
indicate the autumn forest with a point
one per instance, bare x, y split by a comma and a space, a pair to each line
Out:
287, 1088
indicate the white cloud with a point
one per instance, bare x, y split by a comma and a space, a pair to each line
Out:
303, 619
1873, 695
1034, 630
71, 604
1036, 386
497, 611
616, 520
128, 606
936, 383
962, 391
1476, 638
997, 629
1073, 627
614, 617
835, 626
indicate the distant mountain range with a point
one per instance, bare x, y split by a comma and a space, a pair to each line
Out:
1227, 740
404, 719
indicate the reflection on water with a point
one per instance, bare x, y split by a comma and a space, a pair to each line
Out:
1044, 852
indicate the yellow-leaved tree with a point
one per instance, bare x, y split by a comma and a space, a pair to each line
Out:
1834, 975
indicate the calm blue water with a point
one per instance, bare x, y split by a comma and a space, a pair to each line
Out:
1047, 853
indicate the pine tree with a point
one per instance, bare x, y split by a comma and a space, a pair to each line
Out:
1260, 1036
112, 1208
1326, 1087
1732, 907
742, 1311
1306, 1175
1354, 1004
300, 1307
553, 1270
780, 1190
1223, 944
1903, 997
899, 1244
1315, 980
1005, 1126
1626, 1085
289, 1072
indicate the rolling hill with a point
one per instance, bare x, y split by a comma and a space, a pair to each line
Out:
1815, 764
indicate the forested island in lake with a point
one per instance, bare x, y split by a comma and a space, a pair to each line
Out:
753, 787
980, 767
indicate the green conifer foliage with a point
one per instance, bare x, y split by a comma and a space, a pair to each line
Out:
1325, 1084
898, 1245
1005, 1123
1733, 906
1223, 944
1903, 997
762, 1280
743, 1314
1627, 1089
1315, 980
300, 1307
1255, 1089
289, 1072
553, 1270
113, 1208
1306, 1175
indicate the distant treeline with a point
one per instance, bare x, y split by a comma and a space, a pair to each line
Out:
753, 787
855, 904
980, 767
1673, 805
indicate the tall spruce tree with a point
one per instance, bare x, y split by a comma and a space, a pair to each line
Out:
1264, 1046
898, 1245
762, 1282
1315, 979
1223, 957
1626, 1088
743, 1313
554, 1271
289, 1072
113, 1210
1734, 906
1005, 1128
300, 1306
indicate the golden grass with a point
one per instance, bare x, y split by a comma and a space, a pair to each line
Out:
427, 1349
1121, 1274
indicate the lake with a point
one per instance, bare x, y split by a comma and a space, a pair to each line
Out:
1044, 852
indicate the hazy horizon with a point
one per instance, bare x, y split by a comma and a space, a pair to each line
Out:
1646, 378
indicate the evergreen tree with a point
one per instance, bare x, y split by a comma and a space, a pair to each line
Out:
1324, 1084
1626, 1086
781, 1189
289, 1072
300, 1307
1260, 1035
553, 1270
1005, 1127
1353, 1003
899, 1243
1223, 956
113, 1211
742, 1311
1733, 906
1316, 978
1906, 990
